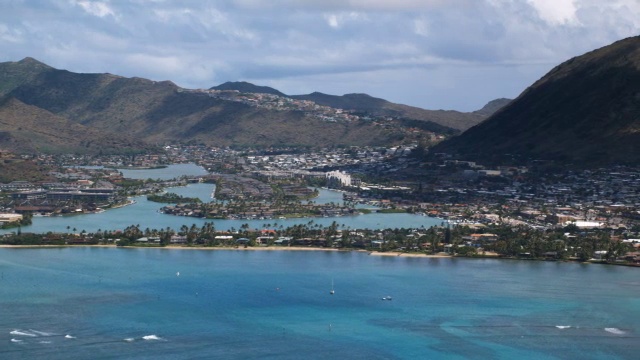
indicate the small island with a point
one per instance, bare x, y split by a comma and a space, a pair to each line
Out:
172, 198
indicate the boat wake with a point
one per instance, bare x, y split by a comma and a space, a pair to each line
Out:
152, 337
615, 331
23, 333
42, 333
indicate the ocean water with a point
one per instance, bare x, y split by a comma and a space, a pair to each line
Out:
108, 303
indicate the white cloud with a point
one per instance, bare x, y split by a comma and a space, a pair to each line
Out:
346, 5
332, 20
556, 12
432, 46
96, 8
9, 35
340, 19
420, 27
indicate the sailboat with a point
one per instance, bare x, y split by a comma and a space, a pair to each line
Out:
331, 291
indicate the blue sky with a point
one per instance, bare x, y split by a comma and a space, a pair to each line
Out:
435, 54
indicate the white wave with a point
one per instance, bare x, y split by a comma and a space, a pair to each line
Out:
152, 337
615, 331
41, 333
562, 327
16, 341
129, 339
69, 337
22, 333
45, 342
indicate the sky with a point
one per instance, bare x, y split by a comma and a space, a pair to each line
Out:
434, 54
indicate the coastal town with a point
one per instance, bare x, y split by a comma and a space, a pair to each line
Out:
483, 210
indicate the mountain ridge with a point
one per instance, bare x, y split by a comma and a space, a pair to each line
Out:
582, 112
379, 107
139, 112
155, 112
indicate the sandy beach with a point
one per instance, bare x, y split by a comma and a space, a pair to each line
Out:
241, 248
394, 253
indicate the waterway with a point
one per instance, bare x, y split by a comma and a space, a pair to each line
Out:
145, 213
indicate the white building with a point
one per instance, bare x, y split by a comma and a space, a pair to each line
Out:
7, 218
342, 177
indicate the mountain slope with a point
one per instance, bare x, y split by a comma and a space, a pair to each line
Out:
155, 112
493, 106
364, 103
585, 111
22, 130
380, 107
246, 87
14, 74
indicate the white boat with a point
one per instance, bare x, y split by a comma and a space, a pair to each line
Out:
331, 291
387, 298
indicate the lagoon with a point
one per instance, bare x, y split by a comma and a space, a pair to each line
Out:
145, 213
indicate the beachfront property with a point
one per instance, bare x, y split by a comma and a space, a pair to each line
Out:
8, 218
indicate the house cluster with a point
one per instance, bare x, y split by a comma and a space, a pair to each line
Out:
605, 198
238, 187
252, 210
325, 158
109, 162
74, 192
281, 103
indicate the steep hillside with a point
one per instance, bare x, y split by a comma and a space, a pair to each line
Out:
583, 112
492, 107
23, 170
29, 129
14, 74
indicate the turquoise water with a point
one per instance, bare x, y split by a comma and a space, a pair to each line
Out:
166, 173
108, 303
145, 213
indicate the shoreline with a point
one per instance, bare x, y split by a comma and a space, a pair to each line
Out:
233, 248
303, 249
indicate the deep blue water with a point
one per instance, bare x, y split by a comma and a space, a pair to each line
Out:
101, 303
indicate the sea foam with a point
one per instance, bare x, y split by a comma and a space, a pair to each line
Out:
41, 333
22, 333
16, 341
562, 327
69, 337
614, 331
152, 337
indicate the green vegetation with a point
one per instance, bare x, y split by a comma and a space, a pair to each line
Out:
172, 198
22, 170
26, 220
508, 242
391, 211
